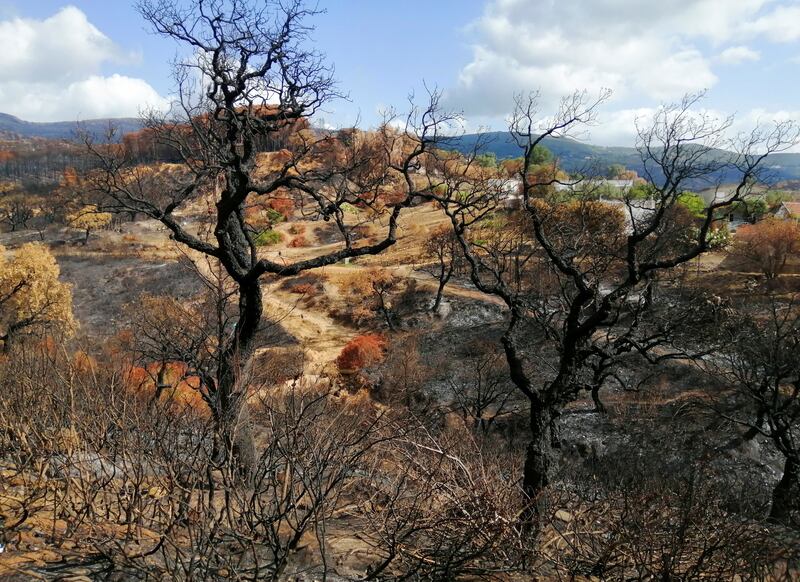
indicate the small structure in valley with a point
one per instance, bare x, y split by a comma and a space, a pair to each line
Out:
788, 211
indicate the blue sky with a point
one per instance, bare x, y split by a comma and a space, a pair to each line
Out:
95, 58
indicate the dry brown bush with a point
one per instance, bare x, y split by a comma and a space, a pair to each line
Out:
767, 245
298, 241
361, 351
103, 480
650, 530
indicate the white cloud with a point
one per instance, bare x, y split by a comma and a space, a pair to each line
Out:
738, 54
52, 71
619, 127
780, 25
90, 98
645, 52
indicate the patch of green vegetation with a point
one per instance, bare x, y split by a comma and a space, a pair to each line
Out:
752, 207
274, 216
774, 198
607, 192
642, 191
440, 189
487, 160
694, 203
494, 221
348, 208
268, 237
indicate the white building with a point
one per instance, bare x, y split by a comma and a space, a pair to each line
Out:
510, 190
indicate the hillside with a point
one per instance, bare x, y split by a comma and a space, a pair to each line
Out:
576, 156
15, 127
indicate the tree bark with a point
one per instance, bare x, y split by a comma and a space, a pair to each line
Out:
234, 439
161, 384
438, 301
786, 495
444, 278
234, 436
598, 404
540, 456
387, 313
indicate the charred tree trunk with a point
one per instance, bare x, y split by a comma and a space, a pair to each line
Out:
161, 384
234, 436
387, 313
444, 278
598, 404
540, 456
234, 441
786, 495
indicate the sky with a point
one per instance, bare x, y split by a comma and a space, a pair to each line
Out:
87, 59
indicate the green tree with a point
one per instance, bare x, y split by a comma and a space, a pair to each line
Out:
642, 191
615, 171
754, 207
487, 160
774, 198
694, 203
541, 155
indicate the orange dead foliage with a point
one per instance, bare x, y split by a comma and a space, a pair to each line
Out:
84, 363
182, 390
283, 205
360, 352
768, 245
304, 289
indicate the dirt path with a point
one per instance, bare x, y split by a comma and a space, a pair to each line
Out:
424, 280
322, 338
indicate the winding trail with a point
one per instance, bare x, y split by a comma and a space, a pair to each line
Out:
320, 335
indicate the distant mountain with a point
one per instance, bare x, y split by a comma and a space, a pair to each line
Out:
575, 156
15, 127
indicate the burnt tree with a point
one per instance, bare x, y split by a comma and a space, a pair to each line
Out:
250, 76
759, 346
577, 275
